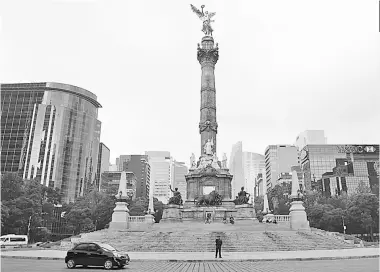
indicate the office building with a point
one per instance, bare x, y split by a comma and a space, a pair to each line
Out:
236, 168
259, 183
103, 163
110, 181
323, 165
139, 165
179, 170
160, 174
253, 164
310, 137
50, 132
279, 159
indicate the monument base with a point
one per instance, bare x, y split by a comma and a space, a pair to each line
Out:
298, 219
244, 212
119, 217
171, 213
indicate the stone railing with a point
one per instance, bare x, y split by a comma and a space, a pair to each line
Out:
282, 218
136, 219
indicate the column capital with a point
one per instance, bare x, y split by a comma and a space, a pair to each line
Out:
208, 56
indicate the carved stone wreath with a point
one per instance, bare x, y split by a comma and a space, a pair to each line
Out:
208, 125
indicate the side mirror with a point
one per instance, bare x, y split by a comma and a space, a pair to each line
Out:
99, 251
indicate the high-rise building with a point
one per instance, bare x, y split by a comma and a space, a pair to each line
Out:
179, 170
253, 163
278, 159
259, 183
236, 168
103, 163
160, 174
347, 164
310, 137
139, 165
50, 131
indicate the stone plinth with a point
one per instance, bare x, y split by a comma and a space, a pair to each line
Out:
149, 219
171, 213
120, 217
245, 211
298, 219
208, 176
200, 213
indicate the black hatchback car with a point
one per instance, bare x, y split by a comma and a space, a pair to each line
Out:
96, 254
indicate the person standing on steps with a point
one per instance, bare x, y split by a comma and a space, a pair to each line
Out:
218, 243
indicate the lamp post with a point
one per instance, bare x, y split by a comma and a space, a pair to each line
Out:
344, 226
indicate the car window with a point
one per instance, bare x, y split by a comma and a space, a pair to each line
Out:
92, 247
82, 247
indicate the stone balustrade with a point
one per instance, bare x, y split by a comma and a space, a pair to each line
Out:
282, 218
136, 219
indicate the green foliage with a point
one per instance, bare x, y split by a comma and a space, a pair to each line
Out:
139, 206
11, 186
278, 198
90, 212
158, 208
258, 204
359, 212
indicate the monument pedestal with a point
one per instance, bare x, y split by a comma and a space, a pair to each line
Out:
120, 217
298, 218
172, 213
245, 212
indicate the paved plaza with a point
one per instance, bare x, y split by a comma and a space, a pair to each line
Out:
352, 265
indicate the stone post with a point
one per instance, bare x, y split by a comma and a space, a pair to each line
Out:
298, 218
120, 216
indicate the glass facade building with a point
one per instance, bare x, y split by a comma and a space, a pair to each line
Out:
179, 170
253, 164
236, 168
110, 181
50, 132
161, 174
279, 159
103, 163
139, 165
352, 162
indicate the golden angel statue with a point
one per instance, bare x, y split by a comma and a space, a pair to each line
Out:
206, 18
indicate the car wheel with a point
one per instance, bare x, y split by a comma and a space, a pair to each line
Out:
71, 264
108, 265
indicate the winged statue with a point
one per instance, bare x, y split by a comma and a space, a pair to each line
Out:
206, 19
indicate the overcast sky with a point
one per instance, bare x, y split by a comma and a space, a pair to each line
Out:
284, 67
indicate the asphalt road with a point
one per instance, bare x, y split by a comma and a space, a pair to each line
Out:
352, 265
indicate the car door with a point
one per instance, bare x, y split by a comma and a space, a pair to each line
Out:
81, 254
95, 255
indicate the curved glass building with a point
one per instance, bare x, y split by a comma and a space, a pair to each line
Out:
50, 131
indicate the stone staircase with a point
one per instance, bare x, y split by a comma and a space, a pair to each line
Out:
198, 238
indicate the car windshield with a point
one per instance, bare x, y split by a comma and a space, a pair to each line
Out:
107, 247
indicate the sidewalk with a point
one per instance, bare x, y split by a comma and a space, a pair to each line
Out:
209, 256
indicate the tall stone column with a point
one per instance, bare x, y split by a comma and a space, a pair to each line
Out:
208, 56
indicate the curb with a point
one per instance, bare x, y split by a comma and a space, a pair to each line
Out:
211, 260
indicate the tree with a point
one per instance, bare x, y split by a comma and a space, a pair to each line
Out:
259, 204
363, 210
277, 194
158, 208
139, 206
11, 186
